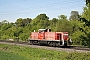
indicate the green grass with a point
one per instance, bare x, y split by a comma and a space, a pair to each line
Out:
27, 53
10, 56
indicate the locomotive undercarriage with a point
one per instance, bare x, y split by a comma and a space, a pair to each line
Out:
48, 42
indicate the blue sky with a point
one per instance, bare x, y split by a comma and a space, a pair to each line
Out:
10, 10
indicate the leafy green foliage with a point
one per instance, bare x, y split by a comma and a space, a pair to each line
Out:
41, 21
64, 26
62, 17
53, 23
87, 2
76, 37
74, 15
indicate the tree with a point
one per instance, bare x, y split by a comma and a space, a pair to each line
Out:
0, 25
5, 26
53, 23
19, 22
81, 34
85, 20
87, 2
86, 13
74, 15
41, 21
26, 21
62, 17
5, 21
64, 26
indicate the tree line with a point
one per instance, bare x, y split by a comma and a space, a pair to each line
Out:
77, 25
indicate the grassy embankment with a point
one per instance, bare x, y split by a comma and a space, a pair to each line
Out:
14, 52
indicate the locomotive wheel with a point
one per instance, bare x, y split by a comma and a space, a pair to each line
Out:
65, 43
54, 44
31, 43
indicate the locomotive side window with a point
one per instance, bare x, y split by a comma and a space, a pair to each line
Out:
59, 36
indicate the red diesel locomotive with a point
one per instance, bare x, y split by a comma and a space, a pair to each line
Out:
45, 36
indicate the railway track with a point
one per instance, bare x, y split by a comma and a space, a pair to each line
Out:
66, 49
